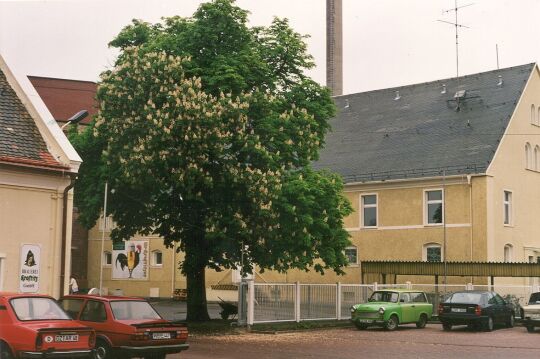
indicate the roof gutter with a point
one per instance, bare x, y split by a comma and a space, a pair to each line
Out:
72, 178
411, 179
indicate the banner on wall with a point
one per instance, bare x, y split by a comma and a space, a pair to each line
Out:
29, 272
130, 260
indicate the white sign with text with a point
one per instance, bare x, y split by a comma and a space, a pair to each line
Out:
29, 273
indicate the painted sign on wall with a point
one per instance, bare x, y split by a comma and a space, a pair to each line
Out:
29, 273
130, 260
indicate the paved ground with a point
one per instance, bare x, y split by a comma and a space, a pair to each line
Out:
176, 310
347, 343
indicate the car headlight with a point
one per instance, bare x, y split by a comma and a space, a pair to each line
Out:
353, 309
381, 310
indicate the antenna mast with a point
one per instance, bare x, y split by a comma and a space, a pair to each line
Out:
457, 25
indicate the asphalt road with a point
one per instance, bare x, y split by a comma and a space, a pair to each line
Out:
345, 343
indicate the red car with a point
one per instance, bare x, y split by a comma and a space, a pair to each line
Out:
34, 326
126, 327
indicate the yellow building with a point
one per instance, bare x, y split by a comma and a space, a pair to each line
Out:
440, 170
36, 166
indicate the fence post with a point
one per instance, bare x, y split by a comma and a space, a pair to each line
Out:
375, 286
297, 294
409, 285
251, 303
470, 286
338, 300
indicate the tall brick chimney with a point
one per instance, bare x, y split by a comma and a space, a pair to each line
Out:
334, 46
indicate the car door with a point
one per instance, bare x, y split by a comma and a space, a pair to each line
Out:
407, 308
493, 308
95, 316
420, 305
504, 309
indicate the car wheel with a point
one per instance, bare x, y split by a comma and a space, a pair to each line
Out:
447, 326
391, 323
360, 326
5, 353
103, 350
421, 323
488, 324
530, 328
511, 320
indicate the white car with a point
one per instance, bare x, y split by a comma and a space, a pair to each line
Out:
531, 312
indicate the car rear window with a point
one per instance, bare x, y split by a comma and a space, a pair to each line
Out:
384, 297
37, 309
133, 310
466, 298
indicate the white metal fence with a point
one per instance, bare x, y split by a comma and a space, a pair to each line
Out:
295, 302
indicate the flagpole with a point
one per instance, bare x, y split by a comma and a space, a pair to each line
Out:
103, 238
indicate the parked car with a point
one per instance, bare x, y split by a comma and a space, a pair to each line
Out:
530, 313
389, 308
34, 326
476, 309
126, 327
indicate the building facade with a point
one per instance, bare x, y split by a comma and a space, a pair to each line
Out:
444, 170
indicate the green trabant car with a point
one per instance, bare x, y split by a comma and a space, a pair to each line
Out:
391, 307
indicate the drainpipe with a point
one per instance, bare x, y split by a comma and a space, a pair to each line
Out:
469, 182
72, 178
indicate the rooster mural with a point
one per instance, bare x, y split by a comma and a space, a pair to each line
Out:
131, 260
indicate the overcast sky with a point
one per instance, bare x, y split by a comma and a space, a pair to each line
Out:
386, 42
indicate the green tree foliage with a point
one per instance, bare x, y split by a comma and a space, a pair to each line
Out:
206, 132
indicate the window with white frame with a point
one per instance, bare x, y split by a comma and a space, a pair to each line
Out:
507, 203
434, 207
536, 165
508, 249
528, 156
369, 210
107, 258
533, 115
107, 224
352, 255
432, 252
157, 258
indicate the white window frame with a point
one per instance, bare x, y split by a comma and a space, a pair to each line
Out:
109, 224
351, 264
153, 261
432, 245
533, 115
536, 158
528, 156
426, 203
376, 206
510, 208
510, 257
2, 270
105, 264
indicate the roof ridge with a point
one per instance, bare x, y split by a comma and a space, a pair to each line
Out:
531, 64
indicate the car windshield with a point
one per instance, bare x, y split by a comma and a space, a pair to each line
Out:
465, 298
37, 309
384, 297
535, 298
133, 310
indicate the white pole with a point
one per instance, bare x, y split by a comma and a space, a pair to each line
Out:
297, 298
103, 238
251, 303
338, 301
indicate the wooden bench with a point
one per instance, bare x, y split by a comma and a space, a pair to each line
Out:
180, 294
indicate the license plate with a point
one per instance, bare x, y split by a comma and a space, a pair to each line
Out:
161, 335
365, 321
66, 338
459, 310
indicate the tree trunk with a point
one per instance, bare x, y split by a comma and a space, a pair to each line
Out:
194, 267
197, 310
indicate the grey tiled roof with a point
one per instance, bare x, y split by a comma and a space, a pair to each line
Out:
20, 140
376, 137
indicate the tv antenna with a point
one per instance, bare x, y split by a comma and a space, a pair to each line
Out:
457, 25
